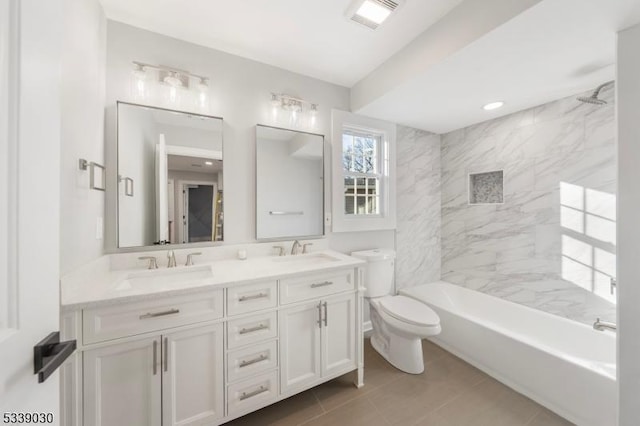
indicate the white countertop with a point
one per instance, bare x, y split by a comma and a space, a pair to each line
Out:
98, 284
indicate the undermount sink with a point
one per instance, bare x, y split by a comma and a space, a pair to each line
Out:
306, 259
163, 278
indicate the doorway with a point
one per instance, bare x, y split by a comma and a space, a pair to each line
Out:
197, 211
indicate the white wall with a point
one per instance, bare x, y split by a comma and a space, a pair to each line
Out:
82, 108
190, 137
137, 161
279, 192
628, 94
240, 94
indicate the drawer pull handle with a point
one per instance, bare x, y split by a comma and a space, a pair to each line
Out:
159, 314
323, 284
155, 357
252, 297
252, 329
326, 323
253, 361
319, 315
247, 395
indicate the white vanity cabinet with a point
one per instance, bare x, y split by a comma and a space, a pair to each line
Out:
177, 376
122, 384
208, 357
317, 340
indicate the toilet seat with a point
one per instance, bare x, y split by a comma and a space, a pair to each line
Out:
409, 311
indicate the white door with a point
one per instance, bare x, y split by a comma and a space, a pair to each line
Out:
338, 339
162, 194
192, 378
30, 57
299, 346
122, 384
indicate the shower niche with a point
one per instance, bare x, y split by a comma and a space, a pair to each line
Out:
486, 187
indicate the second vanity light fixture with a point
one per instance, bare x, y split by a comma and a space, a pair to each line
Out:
170, 87
289, 111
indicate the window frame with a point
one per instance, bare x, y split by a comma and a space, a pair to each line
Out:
378, 174
386, 218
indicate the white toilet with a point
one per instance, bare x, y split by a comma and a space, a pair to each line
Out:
399, 323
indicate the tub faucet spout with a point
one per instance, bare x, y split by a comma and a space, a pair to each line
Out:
604, 325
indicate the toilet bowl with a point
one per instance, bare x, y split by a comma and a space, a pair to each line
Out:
399, 323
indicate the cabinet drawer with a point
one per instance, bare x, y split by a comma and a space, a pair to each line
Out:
252, 360
112, 322
313, 286
252, 393
257, 328
251, 297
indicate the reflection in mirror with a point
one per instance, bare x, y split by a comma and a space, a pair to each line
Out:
170, 182
289, 184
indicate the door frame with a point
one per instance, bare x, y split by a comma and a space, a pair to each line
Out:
182, 201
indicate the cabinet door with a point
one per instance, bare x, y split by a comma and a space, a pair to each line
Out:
192, 376
338, 334
299, 346
122, 384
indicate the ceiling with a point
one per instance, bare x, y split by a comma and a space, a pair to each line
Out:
184, 163
552, 50
524, 53
313, 38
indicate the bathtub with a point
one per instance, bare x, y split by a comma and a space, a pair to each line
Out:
565, 366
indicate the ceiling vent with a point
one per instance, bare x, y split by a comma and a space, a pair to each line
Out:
372, 13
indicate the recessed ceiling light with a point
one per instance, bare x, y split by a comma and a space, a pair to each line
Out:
372, 13
209, 163
493, 105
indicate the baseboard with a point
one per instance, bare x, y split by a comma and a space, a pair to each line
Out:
367, 328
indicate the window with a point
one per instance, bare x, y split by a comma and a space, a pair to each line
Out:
363, 180
361, 158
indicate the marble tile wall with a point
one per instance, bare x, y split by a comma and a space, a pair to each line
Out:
551, 245
418, 207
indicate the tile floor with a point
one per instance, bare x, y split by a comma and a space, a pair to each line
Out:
449, 392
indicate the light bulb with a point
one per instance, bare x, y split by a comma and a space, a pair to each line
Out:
139, 89
203, 94
313, 115
173, 94
275, 102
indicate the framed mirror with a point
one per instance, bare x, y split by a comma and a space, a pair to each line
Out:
289, 184
170, 180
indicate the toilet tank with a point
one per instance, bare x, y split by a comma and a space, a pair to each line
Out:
378, 272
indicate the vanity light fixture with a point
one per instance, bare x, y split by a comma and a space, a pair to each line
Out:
372, 13
493, 105
289, 111
170, 86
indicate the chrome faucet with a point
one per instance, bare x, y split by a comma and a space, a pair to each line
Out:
304, 248
172, 259
604, 325
190, 258
153, 263
296, 247
280, 250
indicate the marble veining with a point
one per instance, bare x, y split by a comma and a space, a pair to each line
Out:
551, 244
418, 207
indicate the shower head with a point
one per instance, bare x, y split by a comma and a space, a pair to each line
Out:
593, 99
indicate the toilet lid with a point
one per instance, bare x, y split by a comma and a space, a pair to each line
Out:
409, 310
